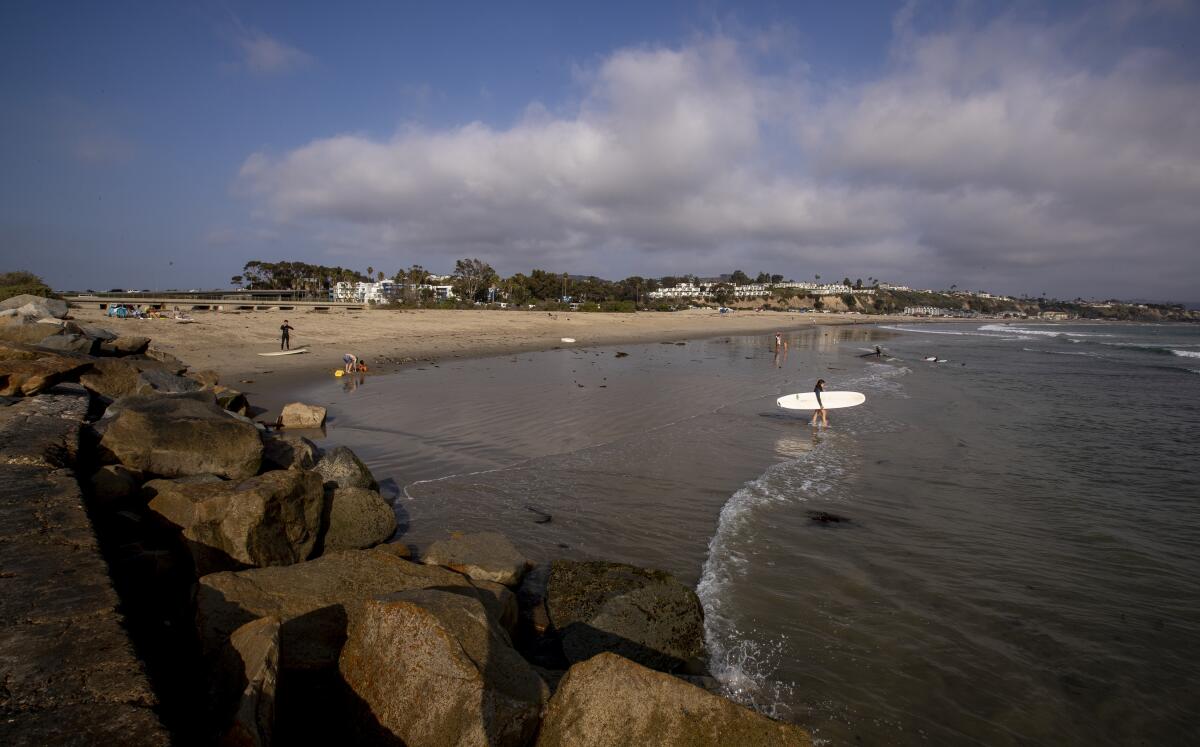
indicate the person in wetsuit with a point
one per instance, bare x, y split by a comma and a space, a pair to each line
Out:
285, 340
820, 387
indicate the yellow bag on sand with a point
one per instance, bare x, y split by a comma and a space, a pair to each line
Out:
339, 372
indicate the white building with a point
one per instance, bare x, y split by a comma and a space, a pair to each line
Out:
683, 290
924, 311
381, 292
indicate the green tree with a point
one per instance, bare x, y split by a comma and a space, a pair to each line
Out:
777, 278
471, 277
739, 278
722, 293
22, 282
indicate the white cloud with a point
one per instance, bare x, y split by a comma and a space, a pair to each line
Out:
262, 54
983, 155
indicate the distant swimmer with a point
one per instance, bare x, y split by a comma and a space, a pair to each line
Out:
820, 387
780, 344
351, 361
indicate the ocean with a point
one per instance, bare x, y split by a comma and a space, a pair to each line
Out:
1015, 560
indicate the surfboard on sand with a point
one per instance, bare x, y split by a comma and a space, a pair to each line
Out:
288, 352
831, 400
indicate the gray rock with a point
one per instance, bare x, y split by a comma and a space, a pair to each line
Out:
433, 668
113, 378
300, 415
486, 556
641, 614
355, 519
155, 381
170, 362
179, 435
70, 343
49, 306
125, 345
289, 451
271, 519
249, 677
231, 400
343, 467
207, 379
609, 700
97, 333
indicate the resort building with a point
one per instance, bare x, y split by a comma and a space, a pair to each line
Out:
683, 290
1055, 315
381, 292
924, 311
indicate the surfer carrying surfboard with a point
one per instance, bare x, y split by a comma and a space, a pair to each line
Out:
820, 387
285, 340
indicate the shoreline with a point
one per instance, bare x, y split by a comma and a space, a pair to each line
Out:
229, 342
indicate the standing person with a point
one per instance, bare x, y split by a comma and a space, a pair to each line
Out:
820, 387
351, 361
285, 340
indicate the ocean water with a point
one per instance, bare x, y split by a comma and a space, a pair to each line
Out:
1017, 561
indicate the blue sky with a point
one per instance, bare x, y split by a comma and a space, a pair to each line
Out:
1017, 147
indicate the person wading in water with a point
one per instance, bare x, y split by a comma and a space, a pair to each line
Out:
820, 387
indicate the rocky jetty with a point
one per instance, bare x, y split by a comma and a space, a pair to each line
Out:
250, 572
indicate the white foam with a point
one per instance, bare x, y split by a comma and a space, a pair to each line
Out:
1186, 353
1042, 332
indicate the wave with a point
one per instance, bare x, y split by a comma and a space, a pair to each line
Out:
1160, 349
1041, 332
1064, 352
741, 660
1186, 353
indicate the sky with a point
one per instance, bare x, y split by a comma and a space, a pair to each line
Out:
1016, 147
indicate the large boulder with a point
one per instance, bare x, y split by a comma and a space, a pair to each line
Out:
487, 556
19, 328
54, 307
27, 377
70, 342
300, 415
248, 680
643, 615
310, 600
355, 519
433, 668
113, 378
609, 700
113, 483
125, 345
156, 381
172, 364
343, 468
271, 519
179, 435
288, 451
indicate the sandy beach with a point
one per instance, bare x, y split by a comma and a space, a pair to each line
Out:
230, 342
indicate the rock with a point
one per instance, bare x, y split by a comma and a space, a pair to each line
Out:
289, 451
206, 379
96, 333
310, 600
250, 673
486, 556
355, 519
22, 329
70, 343
433, 668
271, 519
19, 351
179, 435
343, 467
609, 700
170, 362
28, 377
231, 400
300, 415
154, 381
113, 483
47, 306
113, 378
641, 614
125, 345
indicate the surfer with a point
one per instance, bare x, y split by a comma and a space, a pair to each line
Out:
285, 340
779, 343
820, 387
351, 361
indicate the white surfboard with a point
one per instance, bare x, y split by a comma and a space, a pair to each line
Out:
831, 400
288, 352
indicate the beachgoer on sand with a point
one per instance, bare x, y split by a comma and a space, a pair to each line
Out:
361, 366
285, 340
351, 361
820, 387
